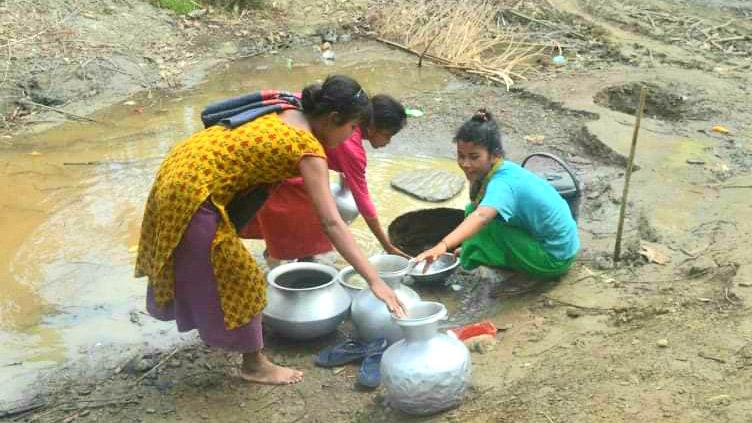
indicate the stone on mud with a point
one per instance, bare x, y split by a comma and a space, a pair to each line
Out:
429, 184
481, 343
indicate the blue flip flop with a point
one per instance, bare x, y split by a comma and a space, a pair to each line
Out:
369, 375
341, 354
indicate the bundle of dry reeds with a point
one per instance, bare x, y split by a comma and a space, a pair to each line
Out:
459, 35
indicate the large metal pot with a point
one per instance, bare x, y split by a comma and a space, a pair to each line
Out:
428, 371
304, 301
371, 319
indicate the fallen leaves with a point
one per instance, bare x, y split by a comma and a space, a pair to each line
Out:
655, 253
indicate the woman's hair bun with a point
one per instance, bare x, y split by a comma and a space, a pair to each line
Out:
311, 96
482, 115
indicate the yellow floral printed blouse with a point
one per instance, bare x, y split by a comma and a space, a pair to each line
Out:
215, 164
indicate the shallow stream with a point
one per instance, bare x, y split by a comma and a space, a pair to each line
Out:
72, 201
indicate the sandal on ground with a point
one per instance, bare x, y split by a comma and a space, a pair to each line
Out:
369, 374
346, 352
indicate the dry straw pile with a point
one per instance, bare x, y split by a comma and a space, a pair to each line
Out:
459, 35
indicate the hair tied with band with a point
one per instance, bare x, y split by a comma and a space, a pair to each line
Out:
482, 115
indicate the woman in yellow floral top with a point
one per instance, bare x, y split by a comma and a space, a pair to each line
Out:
199, 272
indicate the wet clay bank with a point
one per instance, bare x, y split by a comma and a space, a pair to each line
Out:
601, 345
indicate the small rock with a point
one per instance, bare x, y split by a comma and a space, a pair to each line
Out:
745, 284
695, 161
129, 103
481, 343
134, 315
204, 415
195, 14
329, 55
262, 68
344, 38
535, 139
574, 313
84, 391
720, 399
662, 343
150, 411
329, 35
456, 287
139, 365
338, 370
603, 262
699, 267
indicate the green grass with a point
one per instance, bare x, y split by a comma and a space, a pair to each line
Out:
180, 7
237, 4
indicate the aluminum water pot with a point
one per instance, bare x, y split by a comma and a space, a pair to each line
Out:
344, 200
370, 317
304, 301
428, 371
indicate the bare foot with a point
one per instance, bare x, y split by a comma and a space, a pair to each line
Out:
258, 369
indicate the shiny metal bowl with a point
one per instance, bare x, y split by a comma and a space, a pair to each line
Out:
439, 271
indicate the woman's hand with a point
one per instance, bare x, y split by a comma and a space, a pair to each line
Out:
386, 294
429, 256
391, 249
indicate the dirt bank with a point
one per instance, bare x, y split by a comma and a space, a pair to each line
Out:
64, 60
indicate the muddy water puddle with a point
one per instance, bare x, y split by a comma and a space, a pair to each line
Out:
73, 197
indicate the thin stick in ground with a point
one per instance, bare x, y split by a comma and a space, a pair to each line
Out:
628, 176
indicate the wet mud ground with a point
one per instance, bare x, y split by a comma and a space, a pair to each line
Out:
645, 341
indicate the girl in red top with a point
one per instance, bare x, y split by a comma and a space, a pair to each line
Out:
288, 222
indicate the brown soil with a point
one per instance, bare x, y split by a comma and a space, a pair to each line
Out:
666, 336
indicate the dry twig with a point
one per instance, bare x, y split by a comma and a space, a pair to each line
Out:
55, 109
160, 364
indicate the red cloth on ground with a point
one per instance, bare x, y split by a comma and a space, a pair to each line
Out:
288, 221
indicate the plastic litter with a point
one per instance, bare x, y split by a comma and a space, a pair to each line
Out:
485, 327
414, 112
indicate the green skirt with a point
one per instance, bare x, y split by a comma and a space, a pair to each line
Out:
504, 246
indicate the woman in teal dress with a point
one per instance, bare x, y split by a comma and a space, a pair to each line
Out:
515, 220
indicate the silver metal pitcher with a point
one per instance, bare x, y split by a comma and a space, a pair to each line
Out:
370, 317
428, 371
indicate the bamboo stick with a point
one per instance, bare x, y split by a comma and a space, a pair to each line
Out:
628, 176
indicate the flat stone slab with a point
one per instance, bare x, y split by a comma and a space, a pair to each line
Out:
433, 185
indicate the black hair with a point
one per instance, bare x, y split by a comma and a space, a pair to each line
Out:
338, 93
387, 114
482, 130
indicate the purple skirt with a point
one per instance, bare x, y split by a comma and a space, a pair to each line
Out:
196, 303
